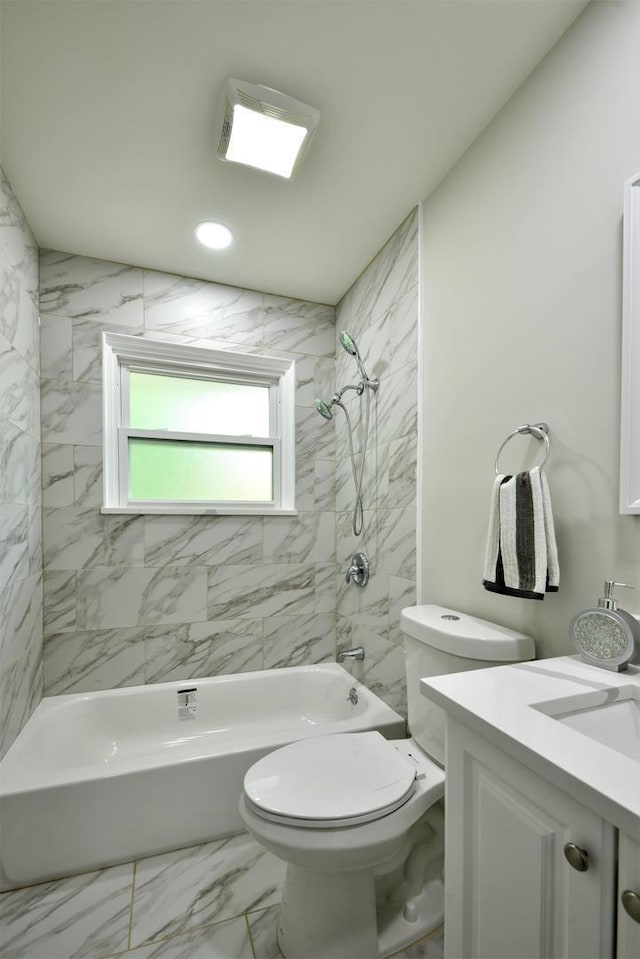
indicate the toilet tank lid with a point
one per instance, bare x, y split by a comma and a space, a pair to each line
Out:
462, 635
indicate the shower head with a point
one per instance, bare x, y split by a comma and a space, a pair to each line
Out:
323, 409
348, 344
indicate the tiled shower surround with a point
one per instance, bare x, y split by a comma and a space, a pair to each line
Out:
135, 599
380, 311
20, 525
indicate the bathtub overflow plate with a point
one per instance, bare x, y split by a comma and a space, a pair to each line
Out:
187, 703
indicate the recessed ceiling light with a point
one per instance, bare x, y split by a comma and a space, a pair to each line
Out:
216, 236
264, 128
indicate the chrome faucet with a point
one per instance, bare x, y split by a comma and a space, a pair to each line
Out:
349, 655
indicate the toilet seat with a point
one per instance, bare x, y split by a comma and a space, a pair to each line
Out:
330, 781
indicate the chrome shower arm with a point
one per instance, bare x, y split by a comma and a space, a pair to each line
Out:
359, 387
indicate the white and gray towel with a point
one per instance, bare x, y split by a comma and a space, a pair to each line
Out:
521, 557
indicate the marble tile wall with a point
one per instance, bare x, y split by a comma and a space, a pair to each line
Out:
136, 599
20, 515
380, 311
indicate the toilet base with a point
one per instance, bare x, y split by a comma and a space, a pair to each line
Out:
367, 913
411, 896
341, 923
399, 928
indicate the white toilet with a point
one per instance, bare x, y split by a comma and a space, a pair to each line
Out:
359, 819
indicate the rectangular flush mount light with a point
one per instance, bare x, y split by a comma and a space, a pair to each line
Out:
264, 128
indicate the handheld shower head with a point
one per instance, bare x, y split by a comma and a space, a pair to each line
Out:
323, 409
365, 386
349, 345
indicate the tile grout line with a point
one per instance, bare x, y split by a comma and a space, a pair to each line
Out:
133, 891
251, 943
183, 934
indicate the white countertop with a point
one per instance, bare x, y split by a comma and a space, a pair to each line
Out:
498, 703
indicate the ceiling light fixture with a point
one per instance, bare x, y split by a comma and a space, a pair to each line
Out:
264, 128
216, 236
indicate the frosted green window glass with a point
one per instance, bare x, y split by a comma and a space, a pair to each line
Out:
188, 405
181, 470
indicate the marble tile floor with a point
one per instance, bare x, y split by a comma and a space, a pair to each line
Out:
214, 901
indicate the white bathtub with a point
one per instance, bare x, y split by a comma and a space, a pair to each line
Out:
105, 777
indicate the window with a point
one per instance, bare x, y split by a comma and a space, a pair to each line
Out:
191, 429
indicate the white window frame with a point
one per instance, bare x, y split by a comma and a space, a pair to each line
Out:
122, 354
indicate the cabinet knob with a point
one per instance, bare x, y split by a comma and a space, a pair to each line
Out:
576, 857
631, 903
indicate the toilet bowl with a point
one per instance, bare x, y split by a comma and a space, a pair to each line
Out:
359, 819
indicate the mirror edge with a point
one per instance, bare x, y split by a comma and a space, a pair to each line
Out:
630, 365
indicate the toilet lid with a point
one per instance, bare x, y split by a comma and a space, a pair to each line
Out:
341, 779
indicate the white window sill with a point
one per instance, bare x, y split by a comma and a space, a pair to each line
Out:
199, 511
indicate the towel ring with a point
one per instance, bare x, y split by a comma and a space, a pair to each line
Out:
539, 430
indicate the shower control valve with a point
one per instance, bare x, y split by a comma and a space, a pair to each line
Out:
358, 572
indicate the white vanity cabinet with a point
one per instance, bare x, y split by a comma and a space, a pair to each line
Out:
510, 891
542, 842
628, 913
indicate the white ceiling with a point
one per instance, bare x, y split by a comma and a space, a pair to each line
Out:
108, 111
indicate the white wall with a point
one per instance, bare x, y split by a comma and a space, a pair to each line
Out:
522, 318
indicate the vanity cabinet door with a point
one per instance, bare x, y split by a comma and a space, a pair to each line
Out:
628, 908
511, 892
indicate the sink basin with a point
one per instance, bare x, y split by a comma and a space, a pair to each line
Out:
610, 716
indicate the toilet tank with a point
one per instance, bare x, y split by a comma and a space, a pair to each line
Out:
438, 641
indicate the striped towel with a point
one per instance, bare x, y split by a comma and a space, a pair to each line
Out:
521, 557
